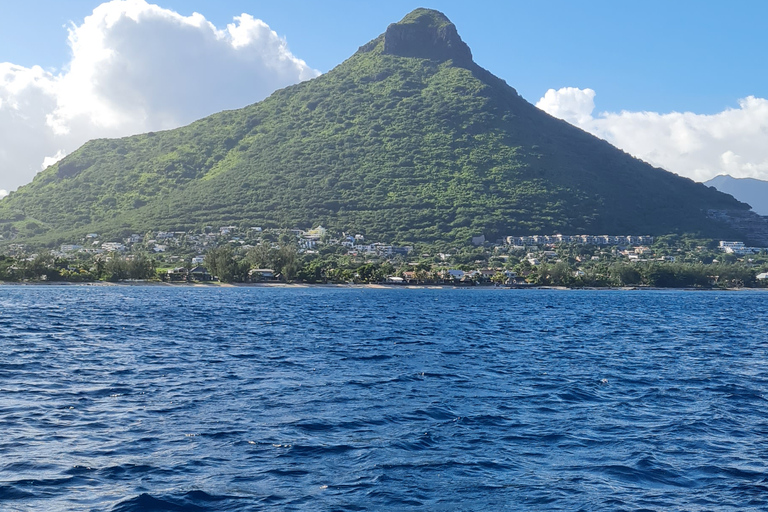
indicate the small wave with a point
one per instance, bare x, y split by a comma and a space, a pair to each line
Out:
12, 492
192, 501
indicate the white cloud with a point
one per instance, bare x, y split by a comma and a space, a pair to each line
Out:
694, 145
135, 67
50, 160
569, 103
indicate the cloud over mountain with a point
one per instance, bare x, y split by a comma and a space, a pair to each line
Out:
698, 146
135, 67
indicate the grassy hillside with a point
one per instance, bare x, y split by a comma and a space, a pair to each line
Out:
407, 140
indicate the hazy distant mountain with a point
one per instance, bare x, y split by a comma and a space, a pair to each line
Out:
752, 191
408, 140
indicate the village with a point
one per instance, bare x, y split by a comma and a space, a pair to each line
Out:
319, 256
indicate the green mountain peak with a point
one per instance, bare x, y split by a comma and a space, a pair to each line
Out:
429, 34
407, 140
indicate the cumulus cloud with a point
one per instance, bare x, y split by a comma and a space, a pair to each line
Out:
135, 67
694, 145
569, 103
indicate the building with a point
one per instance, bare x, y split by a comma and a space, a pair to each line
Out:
200, 274
733, 247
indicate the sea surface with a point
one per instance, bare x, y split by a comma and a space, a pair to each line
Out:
160, 398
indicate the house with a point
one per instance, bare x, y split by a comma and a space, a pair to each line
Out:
177, 274
763, 276
113, 246
200, 273
256, 275
319, 231
197, 260
307, 243
395, 280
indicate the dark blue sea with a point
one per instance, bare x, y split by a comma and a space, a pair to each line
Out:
159, 398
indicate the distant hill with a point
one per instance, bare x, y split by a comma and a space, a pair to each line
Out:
408, 140
747, 190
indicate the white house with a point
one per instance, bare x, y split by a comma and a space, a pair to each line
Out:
763, 276
113, 246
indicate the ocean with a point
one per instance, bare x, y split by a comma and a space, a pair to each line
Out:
129, 398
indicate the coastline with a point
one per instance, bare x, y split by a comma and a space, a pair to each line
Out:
363, 286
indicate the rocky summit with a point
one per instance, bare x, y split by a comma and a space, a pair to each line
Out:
427, 34
408, 140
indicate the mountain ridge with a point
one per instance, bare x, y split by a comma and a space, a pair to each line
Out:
408, 147
747, 190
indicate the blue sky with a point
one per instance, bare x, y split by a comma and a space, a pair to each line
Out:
681, 84
661, 56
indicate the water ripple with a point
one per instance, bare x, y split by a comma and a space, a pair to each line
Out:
150, 398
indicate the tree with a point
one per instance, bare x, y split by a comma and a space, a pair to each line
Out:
625, 275
261, 256
221, 263
116, 269
141, 267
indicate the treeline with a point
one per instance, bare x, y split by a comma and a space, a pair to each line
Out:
47, 267
288, 265
654, 274
233, 265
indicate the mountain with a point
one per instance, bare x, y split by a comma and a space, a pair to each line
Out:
408, 140
747, 190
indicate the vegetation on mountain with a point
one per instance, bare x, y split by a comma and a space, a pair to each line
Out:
408, 140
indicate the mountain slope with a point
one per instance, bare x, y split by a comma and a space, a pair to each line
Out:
407, 140
748, 190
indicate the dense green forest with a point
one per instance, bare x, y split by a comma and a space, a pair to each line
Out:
408, 140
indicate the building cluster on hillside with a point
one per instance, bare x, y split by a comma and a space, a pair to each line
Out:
579, 239
738, 248
190, 247
308, 241
318, 255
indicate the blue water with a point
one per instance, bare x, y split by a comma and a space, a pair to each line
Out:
157, 398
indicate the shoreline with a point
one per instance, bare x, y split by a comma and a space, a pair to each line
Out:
364, 286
